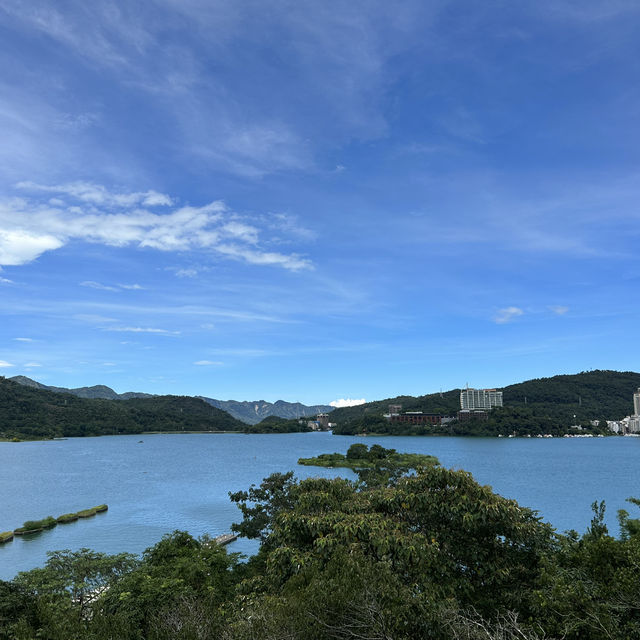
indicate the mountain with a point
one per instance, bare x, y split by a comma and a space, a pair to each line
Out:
31, 412
97, 391
258, 410
247, 412
553, 403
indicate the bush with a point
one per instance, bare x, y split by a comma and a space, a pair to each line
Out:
67, 517
6, 536
87, 513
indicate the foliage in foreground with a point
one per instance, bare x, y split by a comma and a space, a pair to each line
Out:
432, 555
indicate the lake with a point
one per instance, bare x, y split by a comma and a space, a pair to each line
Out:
154, 484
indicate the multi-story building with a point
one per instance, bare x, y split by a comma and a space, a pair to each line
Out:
480, 399
636, 403
416, 417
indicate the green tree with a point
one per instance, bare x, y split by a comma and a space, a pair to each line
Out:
357, 451
68, 587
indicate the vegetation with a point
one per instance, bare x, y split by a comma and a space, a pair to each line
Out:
28, 413
274, 424
428, 555
545, 405
67, 517
6, 536
33, 526
358, 456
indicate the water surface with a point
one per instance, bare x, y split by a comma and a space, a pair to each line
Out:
154, 484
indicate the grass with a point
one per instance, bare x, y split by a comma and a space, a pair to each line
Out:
6, 536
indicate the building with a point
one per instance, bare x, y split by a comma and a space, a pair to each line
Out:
416, 417
486, 399
395, 409
636, 403
323, 420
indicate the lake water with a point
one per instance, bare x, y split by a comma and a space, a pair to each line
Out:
154, 484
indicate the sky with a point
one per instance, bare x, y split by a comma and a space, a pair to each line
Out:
318, 201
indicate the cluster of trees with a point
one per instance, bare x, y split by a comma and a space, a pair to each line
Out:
359, 456
275, 424
430, 555
26, 412
545, 405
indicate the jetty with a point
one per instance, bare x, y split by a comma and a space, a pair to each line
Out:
225, 538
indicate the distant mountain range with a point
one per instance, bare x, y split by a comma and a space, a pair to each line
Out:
254, 412
248, 412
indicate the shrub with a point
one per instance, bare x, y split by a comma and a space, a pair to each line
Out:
67, 517
87, 513
6, 536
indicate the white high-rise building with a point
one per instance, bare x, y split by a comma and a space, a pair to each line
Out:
480, 399
636, 403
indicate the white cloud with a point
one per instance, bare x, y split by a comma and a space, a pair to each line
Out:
97, 285
29, 227
507, 315
346, 402
131, 287
186, 273
4, 363
24, 339
6, 281
19, 246
143, 330
205, 363
98, 195
32, 364
559, 309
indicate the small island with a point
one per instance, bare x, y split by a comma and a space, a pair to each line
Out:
359, 456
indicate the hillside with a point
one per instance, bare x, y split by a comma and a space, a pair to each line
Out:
27, 412
258, 410
97, 391
550, 405
249, 412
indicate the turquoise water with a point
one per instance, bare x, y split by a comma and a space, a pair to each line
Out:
182, 481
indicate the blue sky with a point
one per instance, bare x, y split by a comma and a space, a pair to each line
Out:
317, 201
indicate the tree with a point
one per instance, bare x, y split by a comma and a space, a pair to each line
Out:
259, 505
357, 451
70, 584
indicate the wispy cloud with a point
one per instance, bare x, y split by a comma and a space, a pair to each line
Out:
97, 285
507, 315
31, 365
30, 227
24, 339
559, 309
5, 364
207, 363
347, 402
107, 287
165, 332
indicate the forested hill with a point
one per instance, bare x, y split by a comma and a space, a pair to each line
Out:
97, 391
26, 412
592, 395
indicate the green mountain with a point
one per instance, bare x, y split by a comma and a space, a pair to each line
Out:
97, 391
28, 412
249, 412
547, 405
